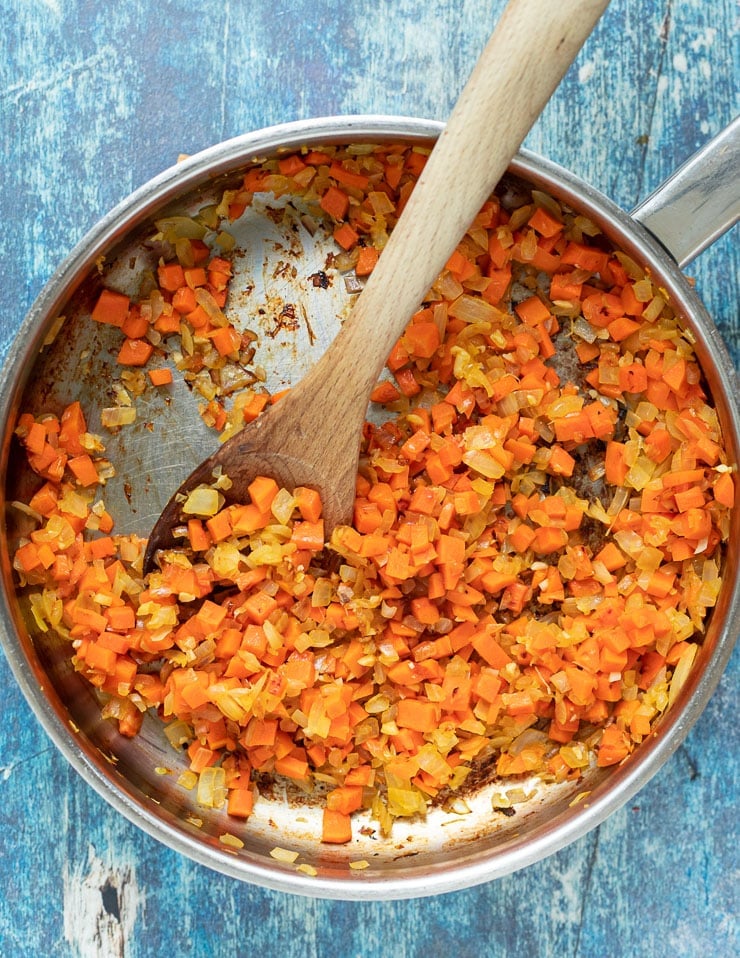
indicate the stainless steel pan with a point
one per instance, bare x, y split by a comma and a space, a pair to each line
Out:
275, 269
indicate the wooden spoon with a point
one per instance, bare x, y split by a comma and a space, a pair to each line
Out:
311, 437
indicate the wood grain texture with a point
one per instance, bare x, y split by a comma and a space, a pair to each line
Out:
95, 98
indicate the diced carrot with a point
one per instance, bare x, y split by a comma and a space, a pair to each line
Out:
135, 352
211, 615
317, 158
488, 684
292, 767
585, 257
308, 502
350, 178
561, 463
336, 827
99, 658
631, 305
168, 323
121, 618
335, 202
254, 407
160, 377
622, 327
84, 470
612, 557
415, 445
425, 610
135, 326
575, 427
259, 607
27, 556
36, 438
587, 351
545, 223
499, 280
45, 500
421, 339
615, 463
724, 490
633, 378
219, 526
226, 340
309, 535
260, 732
549, 539
675, 375
366, 261
415, 162
385, 392
240, 803
111, 308
184, 300
398, 358
613, 748
393, 174
460, 266
490, 650
407, 382
345, 799
692, 498
291, 165
198, 318
532, 311
417, 714
201, 757
601, 309
195, 276
248, 519
658, 445
262, 491
345, 236
229, 642
170, 276
102, 547
494, 582
522, 537
360, 775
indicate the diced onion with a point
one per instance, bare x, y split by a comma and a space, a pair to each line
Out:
202, 501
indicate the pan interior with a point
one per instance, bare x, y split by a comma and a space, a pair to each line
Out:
286, 291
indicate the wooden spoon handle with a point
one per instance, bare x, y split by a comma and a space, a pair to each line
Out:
530, 50
312, 436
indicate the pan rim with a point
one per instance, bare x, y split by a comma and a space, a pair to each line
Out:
185, 176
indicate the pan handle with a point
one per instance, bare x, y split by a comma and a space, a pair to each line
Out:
700, 201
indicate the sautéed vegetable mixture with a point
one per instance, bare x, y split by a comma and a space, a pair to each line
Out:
537, 534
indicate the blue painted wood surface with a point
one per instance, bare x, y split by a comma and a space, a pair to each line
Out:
95, 98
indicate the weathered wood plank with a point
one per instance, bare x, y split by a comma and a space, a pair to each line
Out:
97, 97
